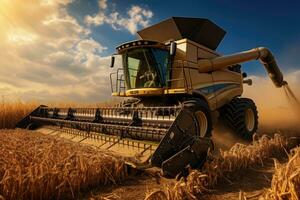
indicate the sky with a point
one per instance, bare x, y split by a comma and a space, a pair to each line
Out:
59, 50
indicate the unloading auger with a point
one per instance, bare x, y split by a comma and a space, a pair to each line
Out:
176, 87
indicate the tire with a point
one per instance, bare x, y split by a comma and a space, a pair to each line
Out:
201, 112
241, 116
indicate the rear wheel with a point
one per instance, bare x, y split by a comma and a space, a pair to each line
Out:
202, 115
241, 116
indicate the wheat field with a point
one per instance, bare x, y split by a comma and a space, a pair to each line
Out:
12, 113
36, 166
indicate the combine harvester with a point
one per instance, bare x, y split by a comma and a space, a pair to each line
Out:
178, 85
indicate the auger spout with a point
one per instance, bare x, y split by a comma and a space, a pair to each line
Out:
263, 54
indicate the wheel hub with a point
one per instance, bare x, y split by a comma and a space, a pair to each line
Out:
202, 123
249, 119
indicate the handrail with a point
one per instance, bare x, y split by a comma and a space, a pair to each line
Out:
118, 83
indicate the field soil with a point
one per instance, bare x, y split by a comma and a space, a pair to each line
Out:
252, 183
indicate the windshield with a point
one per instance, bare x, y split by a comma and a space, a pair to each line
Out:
145, 67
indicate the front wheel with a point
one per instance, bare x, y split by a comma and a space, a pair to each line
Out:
201, 112
241, 116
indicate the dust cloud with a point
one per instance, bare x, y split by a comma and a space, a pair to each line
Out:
277, 109
224, 138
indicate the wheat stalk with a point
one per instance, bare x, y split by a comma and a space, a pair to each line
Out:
286, 179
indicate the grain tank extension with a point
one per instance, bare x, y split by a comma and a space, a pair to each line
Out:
175, 86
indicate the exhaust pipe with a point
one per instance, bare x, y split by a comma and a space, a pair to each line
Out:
247, 81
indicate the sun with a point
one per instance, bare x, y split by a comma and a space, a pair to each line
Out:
12, 28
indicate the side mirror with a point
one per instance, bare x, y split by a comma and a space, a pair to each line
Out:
112, 61
173, 47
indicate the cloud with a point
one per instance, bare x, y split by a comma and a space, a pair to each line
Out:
48, 55
96, 20
55, 2
90, 46
137, 17
102, 4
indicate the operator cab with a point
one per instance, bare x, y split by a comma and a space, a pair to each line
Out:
145, 67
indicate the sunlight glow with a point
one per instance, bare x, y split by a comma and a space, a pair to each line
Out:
20, 36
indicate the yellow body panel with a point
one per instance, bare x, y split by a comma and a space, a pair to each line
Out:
175, 91
185, 71
234, 88
144, 92
118, 94
218, 87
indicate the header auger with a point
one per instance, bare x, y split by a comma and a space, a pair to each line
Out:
176, 86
